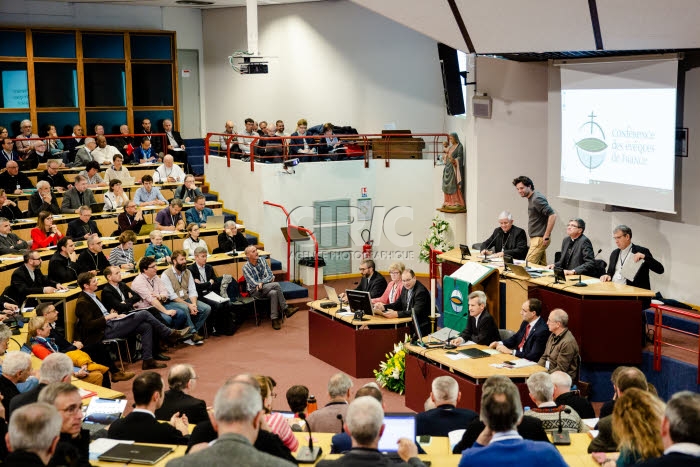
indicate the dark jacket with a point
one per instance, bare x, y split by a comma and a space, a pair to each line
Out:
419, 303
9, 391
204, 287
11, 212
583, 408
73, 452
90, 324
443, 419
183, 193
126, 222
12, 244
77, 229
581, 260
144, 428
9, 182
529, 428
25, 398
482, 333
54, 181
23, 285
535, 343
112, 301
88, 261
177, 401
604, 442
226, 243
37, 204
364, 457
62, 269
515, 242
23, 459
641, 280
376, 285
673, 459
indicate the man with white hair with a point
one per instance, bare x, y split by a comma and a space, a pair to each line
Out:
55, 368
43, 200
506, 239
325, 419
563, 395
445, 417
168, 172
238, 416
16, 368
177, 399
542, 394
365, 424
23, 143
33, 435
84, 154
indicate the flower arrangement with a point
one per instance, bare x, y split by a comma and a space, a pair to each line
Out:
391, 373
436, 239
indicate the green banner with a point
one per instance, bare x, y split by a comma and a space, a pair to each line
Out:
455, 303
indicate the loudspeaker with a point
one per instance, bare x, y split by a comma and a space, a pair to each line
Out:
481, 106
451, 80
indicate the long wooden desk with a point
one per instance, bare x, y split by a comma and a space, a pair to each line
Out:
605, 318
346, 344
424, 365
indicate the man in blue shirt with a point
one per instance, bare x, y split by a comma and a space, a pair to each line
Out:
199, 213
148, 194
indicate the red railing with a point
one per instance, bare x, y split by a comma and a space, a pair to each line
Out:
365, 146
289, 244
659, 326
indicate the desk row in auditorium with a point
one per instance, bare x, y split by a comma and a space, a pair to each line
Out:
136, 171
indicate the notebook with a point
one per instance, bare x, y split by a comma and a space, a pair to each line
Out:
136, 454
474, 353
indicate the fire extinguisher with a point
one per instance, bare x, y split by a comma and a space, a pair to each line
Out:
367, 247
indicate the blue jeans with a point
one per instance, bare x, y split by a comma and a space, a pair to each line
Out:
195, 322
181, 318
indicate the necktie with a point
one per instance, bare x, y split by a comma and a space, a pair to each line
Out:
527, 332
120, 293
408, 300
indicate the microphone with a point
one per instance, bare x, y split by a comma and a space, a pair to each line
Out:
308, 454
340, 417
449, 346
580, 283
485, 260
560, 436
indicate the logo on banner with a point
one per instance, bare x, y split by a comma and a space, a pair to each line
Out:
457, 301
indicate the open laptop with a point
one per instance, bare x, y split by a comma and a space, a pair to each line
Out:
146, 229
396, 425
215, 222
136, 454
419, 335
128, 181
100, 413
97, 207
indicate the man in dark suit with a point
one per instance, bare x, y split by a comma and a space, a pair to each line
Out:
83, 227
28, 279
231, 239
72, 144
92, 258
141, 424
9, 242
506, 239
55, 368
176, 145
14, 181
16, 368
563, 395
623, 239
530, 340
371, 281
181, 380
414, 298
680, 432
79, 195
54, 177
445, 417
577, 255
32, 438
481, 328
8, 152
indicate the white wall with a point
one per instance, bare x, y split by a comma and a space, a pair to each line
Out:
329, 61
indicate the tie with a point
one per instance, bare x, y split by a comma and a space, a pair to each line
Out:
527, 332
120, 293
408, 300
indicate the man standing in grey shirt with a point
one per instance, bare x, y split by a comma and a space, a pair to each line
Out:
541, 219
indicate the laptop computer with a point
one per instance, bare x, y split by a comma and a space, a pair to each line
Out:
396, 425
520, 271
215, 222
146, 229
97, 207
136, 454
128, 181
104, 411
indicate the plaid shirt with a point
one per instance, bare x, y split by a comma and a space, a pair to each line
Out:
254, 275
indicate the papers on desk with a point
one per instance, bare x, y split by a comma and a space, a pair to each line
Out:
215, 297
471, 272
102, 445
591, 422
345, 313
12, 258
591, 281
515, 363
61, 290
454, 437
85, 393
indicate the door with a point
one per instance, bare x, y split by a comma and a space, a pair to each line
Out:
188, 93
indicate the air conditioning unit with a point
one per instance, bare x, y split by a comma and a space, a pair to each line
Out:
481, 106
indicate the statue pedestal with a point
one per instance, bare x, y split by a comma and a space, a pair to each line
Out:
458, 227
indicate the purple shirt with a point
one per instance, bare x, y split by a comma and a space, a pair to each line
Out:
165, 219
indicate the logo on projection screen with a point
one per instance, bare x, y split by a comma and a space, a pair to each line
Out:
591, 146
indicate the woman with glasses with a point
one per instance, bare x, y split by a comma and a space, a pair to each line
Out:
393, 288
123, 254
193, 242
45, 234
277, 423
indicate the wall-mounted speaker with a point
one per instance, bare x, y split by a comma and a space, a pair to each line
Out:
481, 106
451, 80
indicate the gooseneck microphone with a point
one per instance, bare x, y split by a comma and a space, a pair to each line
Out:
340, 417
308, 454
449, 346
580, 283
561, 436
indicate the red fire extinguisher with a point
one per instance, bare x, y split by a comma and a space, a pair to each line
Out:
367, 247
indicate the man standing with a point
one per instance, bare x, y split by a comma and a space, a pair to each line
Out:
199, 213
623, 239
371, 281
131, 218
10, 244
14, 181
481, 328
506, 240
181, 381
169, 172
33, 435
170, 219
414, 298
74, 443
83, 227
541, 219
561, 351
577, 255
530, 340
176, 145
79, 195
261, 283
445, 417
92, 259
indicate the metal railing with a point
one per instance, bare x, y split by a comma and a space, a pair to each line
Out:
659, 311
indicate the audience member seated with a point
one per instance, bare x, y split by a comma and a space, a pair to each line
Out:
529, 428
303, 146
161, 253
188, 191
561, 351
14, 181
150, 288
260, 282
227, 139
193, 241
10, 244
530, 340
414, 298
144, 154
32, 436
54, 144
542, 394
5, 336
269, 149
43, 200
170, 219
577, 255
445, 417
55, 368
277, 423
38, 154
95, 323
342, 442
169, 172
260, 129
364, 422
246, 139
330, 148
62, 265
199, 213
500, 443
84, 154
325, 419
115, 198
238, 415
79, 195
28, 279
506, 239
628, 378
131, 219
141, 424
16, 368
54, 177
181, 381
124, 143
92, 258
563, 395
8, 208
83, 227
481, 328
122, 255
371, 281
297, 399
231, 239
117, 171
607, 407
42, 346
46, 233
72, 144
104, 153
92, 174
395, 285
25, 141
148, 195
8, 153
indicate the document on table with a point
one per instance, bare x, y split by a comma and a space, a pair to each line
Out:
631, 268
591, 422
515, 363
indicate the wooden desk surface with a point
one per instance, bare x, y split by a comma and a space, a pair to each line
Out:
373, 321
597, 289
477, 368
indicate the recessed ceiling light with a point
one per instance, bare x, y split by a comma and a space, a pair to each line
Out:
194, 2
